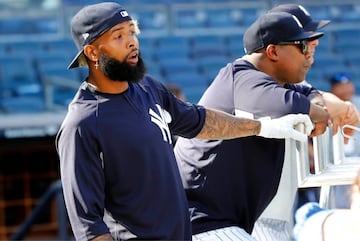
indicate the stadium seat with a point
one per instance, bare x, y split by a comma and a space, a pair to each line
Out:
24, 48
23, 104
319, 11
315, 75
353, 59
11, 26
250, 14
205, 46
190, 19
146, 43
210, 66
46, 25
60, 44
346, 13
173, 42
164, 54
17, 73
191, 79
194, 93
150, 19
225, 18
174, 66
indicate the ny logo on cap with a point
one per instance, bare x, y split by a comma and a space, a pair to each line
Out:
124, 14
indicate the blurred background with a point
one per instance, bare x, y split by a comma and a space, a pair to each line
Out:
182, 41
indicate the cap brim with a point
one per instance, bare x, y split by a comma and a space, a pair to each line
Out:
78, 61
315, 25
307, 35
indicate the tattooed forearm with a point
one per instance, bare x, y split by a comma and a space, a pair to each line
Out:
220, 125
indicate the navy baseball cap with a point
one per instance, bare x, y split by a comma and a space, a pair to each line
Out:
91, 22
302, 14
273, 28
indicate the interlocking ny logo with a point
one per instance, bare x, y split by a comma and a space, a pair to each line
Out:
162, 121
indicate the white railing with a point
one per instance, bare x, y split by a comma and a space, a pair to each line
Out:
331, 168
331, 165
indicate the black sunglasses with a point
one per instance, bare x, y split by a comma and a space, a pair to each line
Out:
302, 44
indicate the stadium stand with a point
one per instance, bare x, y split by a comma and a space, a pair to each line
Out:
182, 41
181, 28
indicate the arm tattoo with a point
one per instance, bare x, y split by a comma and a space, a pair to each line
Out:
221, 125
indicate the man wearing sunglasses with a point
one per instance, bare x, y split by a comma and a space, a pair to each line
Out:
230, 183
280, 211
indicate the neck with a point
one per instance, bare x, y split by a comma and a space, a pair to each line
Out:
264, 65
105, 85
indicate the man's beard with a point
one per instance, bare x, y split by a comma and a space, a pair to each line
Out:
122, 71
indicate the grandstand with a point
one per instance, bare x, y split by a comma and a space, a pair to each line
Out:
182, 41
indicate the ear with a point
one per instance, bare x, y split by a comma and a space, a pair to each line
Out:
272, 52
91, 52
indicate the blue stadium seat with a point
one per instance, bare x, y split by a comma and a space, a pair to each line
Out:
147, 54
208, 40
16, 73
10, 26
347, 48
60, 44
193, 93
52, 69
63, 96
315, 75
157, 74
153, 67
346, 13
329, 60
24, 48
234, 39
235, 45
23, 104
189, 19
4, 49
151, 19
222, 18
204, 46
320, 11
59, 59
46, 25
211, 66
30, 25
347, 33
173, 42
163, 54
175, 66
188, 79
325, 43
346, 41
353, 58
146, 42
248, 15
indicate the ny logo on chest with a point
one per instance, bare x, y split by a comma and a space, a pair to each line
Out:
162, 120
